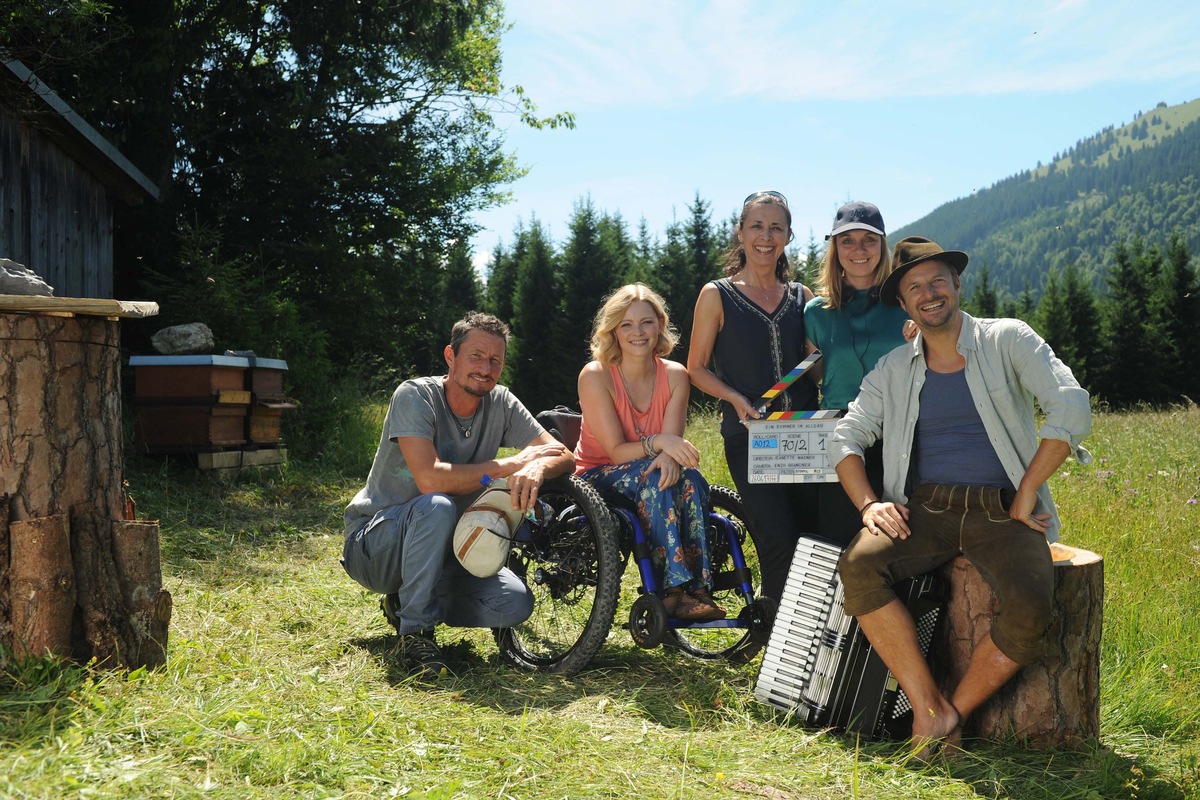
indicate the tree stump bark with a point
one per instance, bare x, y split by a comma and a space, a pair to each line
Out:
1055, 702
41, 586
71, 582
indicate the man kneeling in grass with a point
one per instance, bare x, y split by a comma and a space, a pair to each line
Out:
964, 473
440, 438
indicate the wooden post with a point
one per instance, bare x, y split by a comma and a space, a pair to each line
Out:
70, 584
1055, 702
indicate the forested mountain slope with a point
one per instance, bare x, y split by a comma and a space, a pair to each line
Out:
1140, 179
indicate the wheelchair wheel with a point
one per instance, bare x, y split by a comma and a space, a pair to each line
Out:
648, 622
738, 644
572, 565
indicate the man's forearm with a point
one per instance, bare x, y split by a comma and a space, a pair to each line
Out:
1050, 455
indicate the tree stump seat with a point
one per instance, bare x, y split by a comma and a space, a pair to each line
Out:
80, 578
1052, 703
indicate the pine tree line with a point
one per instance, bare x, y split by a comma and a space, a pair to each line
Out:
1135, 340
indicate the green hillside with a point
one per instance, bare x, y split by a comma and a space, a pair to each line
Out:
1139, 179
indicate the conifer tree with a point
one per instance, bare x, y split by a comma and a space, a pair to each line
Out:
461, 286
531, 357
704, 265
589, 269
1131, 342
502, 277
673, 278
645, 255
1084, 323
1175, 303
983, 302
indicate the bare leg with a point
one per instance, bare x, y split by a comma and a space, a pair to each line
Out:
988, 671
893, 634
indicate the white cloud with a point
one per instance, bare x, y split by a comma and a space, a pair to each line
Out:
587, 55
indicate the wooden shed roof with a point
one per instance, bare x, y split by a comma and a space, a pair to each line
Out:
83, 142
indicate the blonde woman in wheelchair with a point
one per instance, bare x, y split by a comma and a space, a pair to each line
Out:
634, 405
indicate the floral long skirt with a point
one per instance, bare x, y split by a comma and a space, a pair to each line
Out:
673, 518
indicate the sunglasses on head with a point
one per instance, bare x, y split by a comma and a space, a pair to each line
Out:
754, 195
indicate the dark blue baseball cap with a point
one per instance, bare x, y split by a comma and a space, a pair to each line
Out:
857, 216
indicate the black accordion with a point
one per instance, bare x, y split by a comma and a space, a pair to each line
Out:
820, 667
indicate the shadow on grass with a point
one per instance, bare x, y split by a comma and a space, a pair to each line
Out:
38, 695
207, 518
1008, 769
674, 691
665, 686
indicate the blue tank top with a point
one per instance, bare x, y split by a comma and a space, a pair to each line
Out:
951, 442
754, 349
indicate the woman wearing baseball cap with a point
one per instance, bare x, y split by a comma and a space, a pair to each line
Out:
853, 330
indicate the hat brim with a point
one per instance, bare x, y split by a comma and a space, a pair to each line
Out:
853, 226
888, 291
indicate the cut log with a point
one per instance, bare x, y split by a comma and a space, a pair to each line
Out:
136, 553
1052, 703
63, 572
41, 587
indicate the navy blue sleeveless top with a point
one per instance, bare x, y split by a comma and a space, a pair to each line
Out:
754, 349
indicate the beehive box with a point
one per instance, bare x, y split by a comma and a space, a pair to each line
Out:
187, 377
190, 403
206, 402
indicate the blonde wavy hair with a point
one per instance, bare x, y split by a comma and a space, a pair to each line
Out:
605, 347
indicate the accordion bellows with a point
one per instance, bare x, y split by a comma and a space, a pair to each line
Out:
820, 667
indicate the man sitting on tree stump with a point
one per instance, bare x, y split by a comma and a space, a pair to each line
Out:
964, 474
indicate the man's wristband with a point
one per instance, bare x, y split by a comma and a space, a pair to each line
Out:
867, 505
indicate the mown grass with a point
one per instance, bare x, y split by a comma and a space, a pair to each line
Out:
282, 680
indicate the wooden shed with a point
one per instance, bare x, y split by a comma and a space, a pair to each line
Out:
59, 179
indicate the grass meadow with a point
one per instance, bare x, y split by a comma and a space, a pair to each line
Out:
282, 681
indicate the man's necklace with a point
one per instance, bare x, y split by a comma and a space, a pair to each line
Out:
466, 432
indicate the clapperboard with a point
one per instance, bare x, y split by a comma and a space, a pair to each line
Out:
790, 446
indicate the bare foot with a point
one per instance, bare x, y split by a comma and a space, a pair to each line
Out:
952, 744
933, 728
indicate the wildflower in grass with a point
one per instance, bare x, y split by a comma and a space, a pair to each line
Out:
1192, 501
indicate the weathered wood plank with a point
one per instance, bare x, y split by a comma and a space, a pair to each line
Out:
79, 305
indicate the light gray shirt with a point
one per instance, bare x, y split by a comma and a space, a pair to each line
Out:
1008, 368
419, 408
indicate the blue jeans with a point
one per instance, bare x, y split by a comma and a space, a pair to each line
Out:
673, 519
407, 550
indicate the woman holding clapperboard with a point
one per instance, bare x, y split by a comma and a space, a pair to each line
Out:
853, 330
747, 333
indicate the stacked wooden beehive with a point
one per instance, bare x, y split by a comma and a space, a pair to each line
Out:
210, 404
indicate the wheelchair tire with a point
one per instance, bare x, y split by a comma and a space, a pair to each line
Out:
736, 644
647, 622
572, 564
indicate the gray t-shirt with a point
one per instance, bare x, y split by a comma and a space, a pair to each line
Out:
419, 408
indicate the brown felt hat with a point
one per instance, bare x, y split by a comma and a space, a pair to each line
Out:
909, 252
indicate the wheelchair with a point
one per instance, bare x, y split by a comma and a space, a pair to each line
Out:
574, 558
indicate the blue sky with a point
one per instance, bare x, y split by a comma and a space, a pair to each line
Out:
905, 104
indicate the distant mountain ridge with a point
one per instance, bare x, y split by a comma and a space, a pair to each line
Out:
1139, 179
